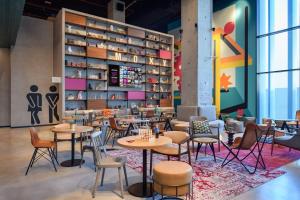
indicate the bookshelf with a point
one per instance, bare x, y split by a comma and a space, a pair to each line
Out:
92, 46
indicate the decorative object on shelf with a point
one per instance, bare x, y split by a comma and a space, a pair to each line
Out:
80, 95
90, 86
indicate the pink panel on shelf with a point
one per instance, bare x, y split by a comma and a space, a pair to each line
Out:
75, 84
165, 54
136, 95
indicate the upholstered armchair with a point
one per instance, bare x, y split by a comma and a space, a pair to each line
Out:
209, 111
291, 141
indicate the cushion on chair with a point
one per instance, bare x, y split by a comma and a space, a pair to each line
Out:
201, 127
111, 162
170, 149
172, 173
178, 137
208, 111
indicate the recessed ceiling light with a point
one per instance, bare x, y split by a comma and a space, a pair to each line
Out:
48, 2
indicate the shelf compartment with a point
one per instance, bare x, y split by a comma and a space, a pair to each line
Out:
94, 52
136, 95
165, 54
75, 19
75, 84
96, 104
165, 102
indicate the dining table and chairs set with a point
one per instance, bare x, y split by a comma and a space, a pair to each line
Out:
150, 135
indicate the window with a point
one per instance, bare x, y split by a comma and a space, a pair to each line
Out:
278, 70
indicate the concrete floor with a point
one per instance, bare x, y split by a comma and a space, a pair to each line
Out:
43, 182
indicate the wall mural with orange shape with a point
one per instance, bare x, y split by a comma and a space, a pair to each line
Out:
234, 49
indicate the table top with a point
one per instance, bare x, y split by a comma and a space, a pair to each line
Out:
67, 129
205, 140
137, 143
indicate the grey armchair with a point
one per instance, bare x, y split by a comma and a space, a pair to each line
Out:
215, 135
291, 141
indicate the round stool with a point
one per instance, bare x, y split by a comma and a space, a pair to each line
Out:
206, 141
172, 178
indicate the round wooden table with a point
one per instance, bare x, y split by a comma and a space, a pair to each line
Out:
67, 130
142, 189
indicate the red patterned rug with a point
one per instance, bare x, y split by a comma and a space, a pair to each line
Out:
211, 180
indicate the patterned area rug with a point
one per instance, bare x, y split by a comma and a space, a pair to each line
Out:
211, 181
281, 156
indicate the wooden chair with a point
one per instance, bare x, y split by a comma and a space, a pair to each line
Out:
250, 141
175, 149
41, 148
103, 161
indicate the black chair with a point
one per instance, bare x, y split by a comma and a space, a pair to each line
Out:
251, 140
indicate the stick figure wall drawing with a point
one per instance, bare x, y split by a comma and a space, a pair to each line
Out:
34, 104
52, 98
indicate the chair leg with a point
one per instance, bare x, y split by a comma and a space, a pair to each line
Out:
151, 160
125, 174
272, 147
31, 161
121, 182
198, 149
213, 151
52, 159
219, 145
94, 158
51, 150
102, 178
96, 181
81, 159
168, 158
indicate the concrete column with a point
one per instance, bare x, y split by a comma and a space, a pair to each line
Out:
116, 10
197, 73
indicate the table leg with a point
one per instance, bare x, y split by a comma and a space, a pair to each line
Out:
73, 149
73, 162
143, 189
144, 171
230, 138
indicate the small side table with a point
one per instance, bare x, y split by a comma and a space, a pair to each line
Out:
206, 141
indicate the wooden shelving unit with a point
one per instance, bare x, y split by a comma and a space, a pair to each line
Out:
92, 44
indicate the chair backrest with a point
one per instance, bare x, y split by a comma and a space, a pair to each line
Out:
209, 111
178, 137
251, 135
298, 115
150, 113
99, 148
112, 123
34, 136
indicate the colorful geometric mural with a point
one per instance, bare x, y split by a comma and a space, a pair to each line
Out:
235, 57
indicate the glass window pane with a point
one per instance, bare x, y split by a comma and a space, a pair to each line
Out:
296, 13
263, 17
278, 15
296, 49
263, 96
296, 92
279, 52
263, 54
279, 95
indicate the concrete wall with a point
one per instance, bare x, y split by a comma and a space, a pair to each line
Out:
31, 64
5, 87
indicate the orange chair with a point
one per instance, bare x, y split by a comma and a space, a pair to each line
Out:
116, 131
39, 144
